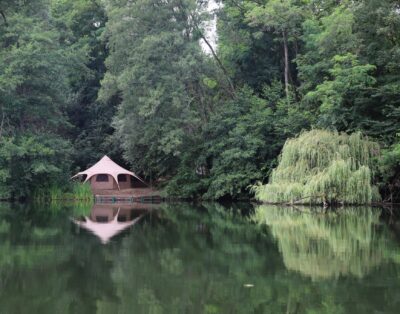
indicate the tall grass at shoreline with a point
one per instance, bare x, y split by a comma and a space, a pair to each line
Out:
75, 192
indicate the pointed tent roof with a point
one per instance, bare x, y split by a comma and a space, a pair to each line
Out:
106, 166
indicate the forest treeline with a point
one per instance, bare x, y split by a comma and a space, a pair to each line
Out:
131, 79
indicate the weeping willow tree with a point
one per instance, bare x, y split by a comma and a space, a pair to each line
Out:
327, 246
321, 166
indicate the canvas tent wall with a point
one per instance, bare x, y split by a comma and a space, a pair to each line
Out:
103, 181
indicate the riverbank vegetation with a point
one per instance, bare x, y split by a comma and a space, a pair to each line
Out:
323, 167
144, 83
72, 192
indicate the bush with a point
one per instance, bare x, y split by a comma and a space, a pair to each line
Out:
32, 163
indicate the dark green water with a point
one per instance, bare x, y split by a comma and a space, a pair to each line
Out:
198, 259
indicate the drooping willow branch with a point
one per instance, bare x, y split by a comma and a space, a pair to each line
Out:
323, 167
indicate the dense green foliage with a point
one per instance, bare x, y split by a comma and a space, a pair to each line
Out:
323, 167
50, 63
32, 163
141, 81
34, 90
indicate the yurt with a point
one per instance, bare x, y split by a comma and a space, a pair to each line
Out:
107, 175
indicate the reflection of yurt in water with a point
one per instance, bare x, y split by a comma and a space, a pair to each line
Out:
106, 221
326, 245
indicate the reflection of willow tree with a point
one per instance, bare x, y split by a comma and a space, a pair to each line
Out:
326, 245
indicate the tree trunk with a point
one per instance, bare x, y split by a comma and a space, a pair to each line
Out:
214, 54
4, 18
286, 57
1, 126
232, 88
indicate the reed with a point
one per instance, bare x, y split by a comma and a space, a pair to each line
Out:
82, 191
321, 166
76, 191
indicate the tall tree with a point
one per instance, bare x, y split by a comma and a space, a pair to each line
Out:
157, 68
37, 71
81, 24
284, 18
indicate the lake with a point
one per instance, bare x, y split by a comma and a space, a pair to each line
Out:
209, 258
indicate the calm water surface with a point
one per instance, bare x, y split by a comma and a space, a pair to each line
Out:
207, 258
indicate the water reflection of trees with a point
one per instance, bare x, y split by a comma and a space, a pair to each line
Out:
326, 245
44, 268
178, 259
188, 259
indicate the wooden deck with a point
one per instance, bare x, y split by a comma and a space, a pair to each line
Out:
136, 192
140, 195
